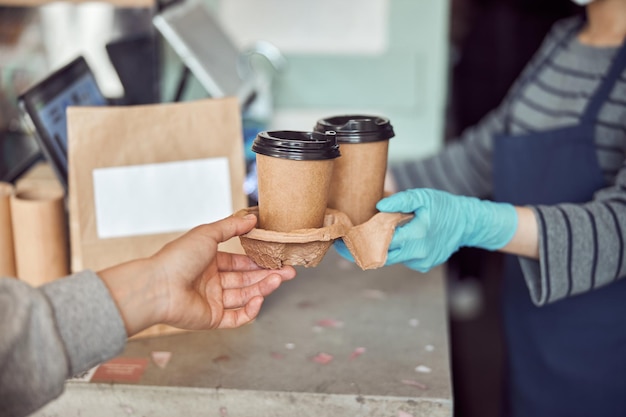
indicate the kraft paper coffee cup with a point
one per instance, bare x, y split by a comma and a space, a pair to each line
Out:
359, 175
294, 171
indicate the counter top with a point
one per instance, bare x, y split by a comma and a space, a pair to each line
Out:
335, 341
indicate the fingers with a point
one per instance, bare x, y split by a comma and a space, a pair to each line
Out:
416, 250
242, 305
403, 202
418, 265
409, 233
343, 250
237, 297
240, 279
394, 256
241, 316
235, 262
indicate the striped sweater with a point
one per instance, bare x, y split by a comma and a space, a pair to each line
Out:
581, 246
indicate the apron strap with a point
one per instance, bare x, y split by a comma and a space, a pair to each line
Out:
604, 90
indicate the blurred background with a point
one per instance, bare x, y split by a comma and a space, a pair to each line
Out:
433, 67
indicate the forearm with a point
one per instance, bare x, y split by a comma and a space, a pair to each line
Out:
525, 241
581, 248
50, 333
135, 289
462, 167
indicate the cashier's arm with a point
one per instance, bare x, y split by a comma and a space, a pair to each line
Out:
525, 241
189, 284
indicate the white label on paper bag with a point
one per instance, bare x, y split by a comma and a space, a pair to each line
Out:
161, 198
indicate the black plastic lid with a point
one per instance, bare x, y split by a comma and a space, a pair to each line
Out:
357, 128
297, 145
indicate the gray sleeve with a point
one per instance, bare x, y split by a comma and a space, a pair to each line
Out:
51, 333
581, 246
463, 167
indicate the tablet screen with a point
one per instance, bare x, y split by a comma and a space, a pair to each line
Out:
46, 104
51, 112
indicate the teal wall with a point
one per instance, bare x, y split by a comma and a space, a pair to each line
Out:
406, 83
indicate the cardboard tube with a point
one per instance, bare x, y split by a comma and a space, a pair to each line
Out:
40, 235
7, 254
293, 195
359, 179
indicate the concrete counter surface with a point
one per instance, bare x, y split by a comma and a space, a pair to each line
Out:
335, 341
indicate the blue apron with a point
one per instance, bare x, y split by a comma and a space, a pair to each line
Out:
568, 358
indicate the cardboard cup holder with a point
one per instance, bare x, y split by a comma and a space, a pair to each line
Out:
346, 183
306, 247
367, 242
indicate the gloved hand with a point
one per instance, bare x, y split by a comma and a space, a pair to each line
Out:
343, 250
442, 224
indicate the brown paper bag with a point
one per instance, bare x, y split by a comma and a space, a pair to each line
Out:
127, 136
101, 137
7, 255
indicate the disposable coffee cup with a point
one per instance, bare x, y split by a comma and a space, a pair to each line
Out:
359, 174
294, 171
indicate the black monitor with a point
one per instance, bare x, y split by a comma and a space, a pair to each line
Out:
137, 63
18, 152
44, 108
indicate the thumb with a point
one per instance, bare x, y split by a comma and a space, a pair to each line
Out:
234, 226
403, 202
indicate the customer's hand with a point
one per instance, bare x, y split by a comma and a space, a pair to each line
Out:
189, 284
442, 224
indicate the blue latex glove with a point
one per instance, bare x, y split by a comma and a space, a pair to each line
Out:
442, 224
342, 250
